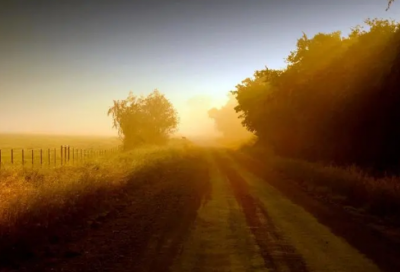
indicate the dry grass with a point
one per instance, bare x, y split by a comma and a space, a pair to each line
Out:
37, 141
379, 196
34, 203
346, 186
50, 146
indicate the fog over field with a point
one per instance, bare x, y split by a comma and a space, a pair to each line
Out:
200, 136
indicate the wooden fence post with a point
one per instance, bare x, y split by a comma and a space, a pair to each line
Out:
12, 156
62, 148
65, 155
41, 157
32, 157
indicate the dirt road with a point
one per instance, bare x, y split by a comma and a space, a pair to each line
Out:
211, 215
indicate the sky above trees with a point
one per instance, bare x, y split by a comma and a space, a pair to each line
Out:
62, 64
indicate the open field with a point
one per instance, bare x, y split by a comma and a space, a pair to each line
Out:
45, 150
33, 141
182, 208
48, 200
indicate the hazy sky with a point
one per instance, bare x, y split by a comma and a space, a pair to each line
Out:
63, 62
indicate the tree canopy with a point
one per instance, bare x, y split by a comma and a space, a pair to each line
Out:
336, 101
144, 120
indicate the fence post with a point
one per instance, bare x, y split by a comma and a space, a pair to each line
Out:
65, 155
62, 148
69, 153
12, 156
73, 155
41, 157
23, 159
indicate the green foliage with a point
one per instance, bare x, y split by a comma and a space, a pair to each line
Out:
144, 120
335, 101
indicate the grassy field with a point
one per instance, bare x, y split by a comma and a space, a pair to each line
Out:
349, 187
44, 199
45, 150
36, 141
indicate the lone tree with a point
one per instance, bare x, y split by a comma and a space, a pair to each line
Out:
144, 120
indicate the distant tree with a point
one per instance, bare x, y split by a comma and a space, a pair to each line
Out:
144, 120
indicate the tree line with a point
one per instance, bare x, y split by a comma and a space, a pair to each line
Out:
337, 101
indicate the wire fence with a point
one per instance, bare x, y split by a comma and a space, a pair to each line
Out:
51, 157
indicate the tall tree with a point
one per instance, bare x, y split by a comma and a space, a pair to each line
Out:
331, 103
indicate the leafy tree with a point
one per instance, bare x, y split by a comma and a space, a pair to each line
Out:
336, 101
144, 120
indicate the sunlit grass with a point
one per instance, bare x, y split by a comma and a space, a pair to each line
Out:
37, 141
348, 186
39, 200
45, 150
351, 186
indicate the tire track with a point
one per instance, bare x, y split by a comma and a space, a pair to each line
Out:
278, 255
220, 239
373, 244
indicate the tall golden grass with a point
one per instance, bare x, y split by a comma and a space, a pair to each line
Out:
36, 202
347, 186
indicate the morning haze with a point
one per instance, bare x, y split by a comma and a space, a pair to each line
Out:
253, 136
62, 63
